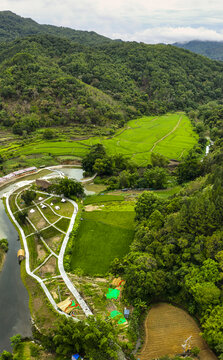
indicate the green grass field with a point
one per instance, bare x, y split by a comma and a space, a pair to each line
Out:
50, 215
66, 209
102, 236
172, 135
63, 224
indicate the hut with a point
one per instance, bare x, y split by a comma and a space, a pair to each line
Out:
43, 184
21, 255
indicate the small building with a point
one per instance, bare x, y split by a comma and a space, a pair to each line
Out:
126, 313
63, 200
43, 184
21, 255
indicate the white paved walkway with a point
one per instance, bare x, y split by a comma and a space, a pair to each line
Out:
63, 274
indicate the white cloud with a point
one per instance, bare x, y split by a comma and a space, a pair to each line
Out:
140, 20
170, 35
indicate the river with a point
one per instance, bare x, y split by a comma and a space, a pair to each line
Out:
14, 300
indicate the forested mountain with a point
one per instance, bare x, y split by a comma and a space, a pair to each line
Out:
66, 77
211, 49
46, 79
13, 26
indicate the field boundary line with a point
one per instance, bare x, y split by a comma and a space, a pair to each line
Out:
164, 137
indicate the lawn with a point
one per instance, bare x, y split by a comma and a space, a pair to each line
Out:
66, 209
63, 224
53, 238
171, 135
49, 214
102, 236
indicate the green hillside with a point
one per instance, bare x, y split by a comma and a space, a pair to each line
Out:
211, 49
13, 26
47, 80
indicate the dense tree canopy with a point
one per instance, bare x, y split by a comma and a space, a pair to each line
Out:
68, 187
93, 338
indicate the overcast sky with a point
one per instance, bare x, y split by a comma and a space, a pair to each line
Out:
150, 21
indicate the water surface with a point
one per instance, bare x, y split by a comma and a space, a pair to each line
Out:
14, 307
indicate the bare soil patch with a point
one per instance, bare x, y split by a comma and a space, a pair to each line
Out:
89, 208
41, 252
54, 242
49, 268
167, 327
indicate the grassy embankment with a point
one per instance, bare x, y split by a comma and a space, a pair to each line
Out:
2, 258
171, 135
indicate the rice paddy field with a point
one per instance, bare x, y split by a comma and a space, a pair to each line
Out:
103, 235
171, 135
167, 327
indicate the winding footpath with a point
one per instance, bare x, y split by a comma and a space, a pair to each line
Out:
60, 258
164, 137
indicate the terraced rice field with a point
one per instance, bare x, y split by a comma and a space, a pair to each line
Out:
171, 135
166, 328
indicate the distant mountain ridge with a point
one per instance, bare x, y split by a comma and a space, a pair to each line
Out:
13, 26
211, 49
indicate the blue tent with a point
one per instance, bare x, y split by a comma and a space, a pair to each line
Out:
76, 357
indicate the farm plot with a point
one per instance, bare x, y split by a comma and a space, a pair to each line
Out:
37, 251
102, 236
36, 218
166, 329
171, 135
53, 238
55, 148
49, 268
